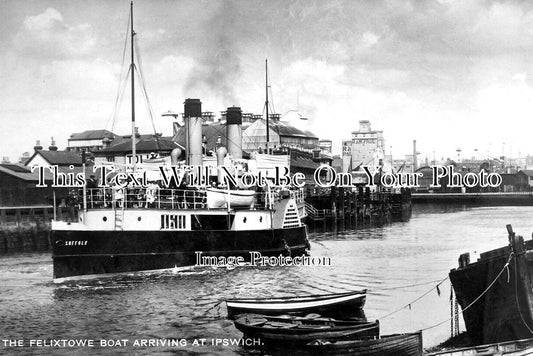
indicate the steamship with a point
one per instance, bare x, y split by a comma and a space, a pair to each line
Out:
131, 230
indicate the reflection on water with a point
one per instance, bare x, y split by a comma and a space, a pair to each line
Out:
392, 262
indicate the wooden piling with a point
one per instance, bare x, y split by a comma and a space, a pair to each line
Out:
24, 229
341, 203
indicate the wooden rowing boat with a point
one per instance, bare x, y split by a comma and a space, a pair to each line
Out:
388, 345
300, 331
220, 198
326, 304
515, 348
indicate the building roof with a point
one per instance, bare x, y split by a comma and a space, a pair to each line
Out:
19, 171
367, 132
145, 143
301, 159
213, 130
210, 131
91, 135
60, 158
285, 129
527, 172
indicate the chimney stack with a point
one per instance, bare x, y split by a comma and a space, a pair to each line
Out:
38, 146
193, 131
106, 141
52, 146
233, 131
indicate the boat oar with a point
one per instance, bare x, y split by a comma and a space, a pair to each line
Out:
214, 306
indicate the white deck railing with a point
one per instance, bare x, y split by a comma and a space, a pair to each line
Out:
158, 198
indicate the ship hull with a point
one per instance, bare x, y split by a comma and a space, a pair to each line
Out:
84, 253
502, 313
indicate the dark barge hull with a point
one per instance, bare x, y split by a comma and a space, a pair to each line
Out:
503, 312
106, 252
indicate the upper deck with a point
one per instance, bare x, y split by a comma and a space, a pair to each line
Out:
158, 198
184, 209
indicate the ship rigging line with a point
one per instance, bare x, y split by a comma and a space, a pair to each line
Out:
122, 89
120, 92
140, 72
219, 132
271, 99
123, 83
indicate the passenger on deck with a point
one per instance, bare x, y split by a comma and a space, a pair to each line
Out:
139, 198
118, 194
151, 194
63, 203
92, 193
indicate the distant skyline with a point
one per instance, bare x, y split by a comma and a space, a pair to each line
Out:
447, 73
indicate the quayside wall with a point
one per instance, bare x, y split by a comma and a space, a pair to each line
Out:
27, 228
485, 199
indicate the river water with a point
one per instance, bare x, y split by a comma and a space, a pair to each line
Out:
134, 314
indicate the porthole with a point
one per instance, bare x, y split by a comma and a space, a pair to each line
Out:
139, 218
104, 218
244, 220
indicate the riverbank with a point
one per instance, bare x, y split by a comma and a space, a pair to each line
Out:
480, 199
27, 228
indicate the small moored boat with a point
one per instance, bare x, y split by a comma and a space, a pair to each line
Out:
515, 348
325, 304
388, 345
300, 331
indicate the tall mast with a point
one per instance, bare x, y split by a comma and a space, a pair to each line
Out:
133, 137
266, 105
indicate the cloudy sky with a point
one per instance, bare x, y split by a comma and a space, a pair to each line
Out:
447, 73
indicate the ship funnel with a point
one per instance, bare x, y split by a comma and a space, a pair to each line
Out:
233, 131
193, 131
221, 153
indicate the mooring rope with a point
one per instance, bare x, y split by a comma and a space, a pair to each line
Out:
380, 289
505, 267
414, 301
214, 306
516, 297
409, 285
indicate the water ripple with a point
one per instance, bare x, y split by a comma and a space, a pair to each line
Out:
187, 304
